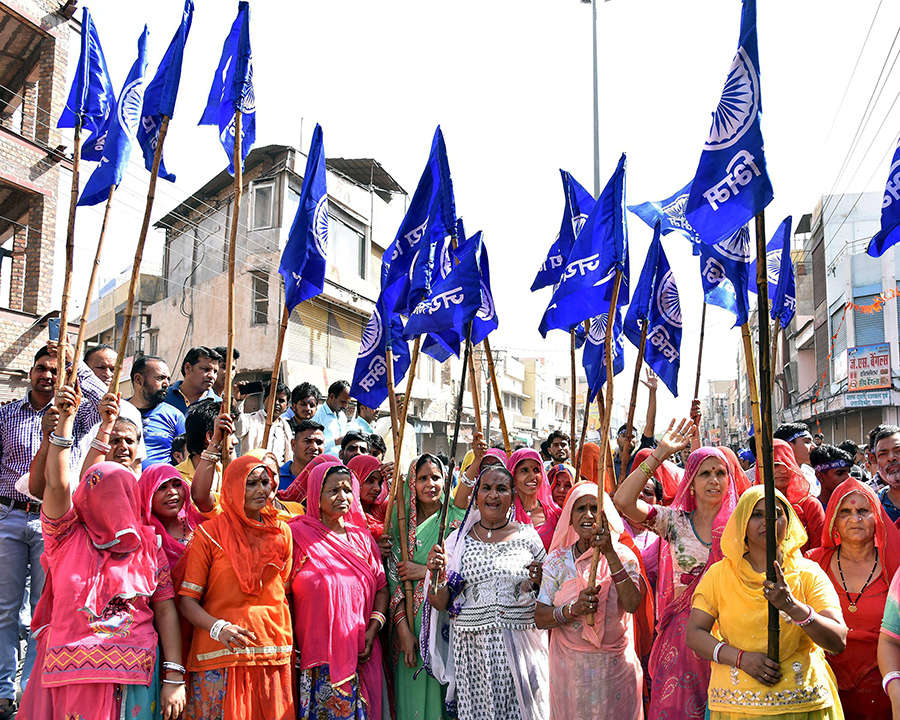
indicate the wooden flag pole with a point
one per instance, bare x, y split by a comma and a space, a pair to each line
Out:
473, 388
402, 505
752, 386
572, 410
273, 380
138, 254
70, 258
604, 432
410, 373
629, 426
605, 446
90, 291
445, 507
496, 386
700, 351
232, 252
764, 428
775, 332
584, 422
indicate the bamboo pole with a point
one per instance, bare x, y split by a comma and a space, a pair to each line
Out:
79, 350
629, 426
392, 494
445, 507
584, 422
500, 412
70, 258
273, 380
476, 395
764, 428
232, 252
573, 402
775, 331
402, 504
138, 255
700, 351
752, 386
605, 446
604, 432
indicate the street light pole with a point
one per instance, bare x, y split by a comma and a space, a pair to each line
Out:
596, 105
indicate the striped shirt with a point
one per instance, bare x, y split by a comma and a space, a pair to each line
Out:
20, 432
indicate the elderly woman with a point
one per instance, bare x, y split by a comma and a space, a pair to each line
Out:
533, 498
593, 668
860, 553
118, 438
489, 652
339, 597
792, 483
417, 696
735, 594
690, 529
233, 593
108, 591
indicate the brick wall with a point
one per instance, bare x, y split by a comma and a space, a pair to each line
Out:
21, 336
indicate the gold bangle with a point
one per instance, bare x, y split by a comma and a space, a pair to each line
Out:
645, 468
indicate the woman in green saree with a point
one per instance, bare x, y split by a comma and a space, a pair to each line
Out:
422, 696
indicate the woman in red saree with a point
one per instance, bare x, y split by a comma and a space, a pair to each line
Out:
860, 553
533, 498
340, 597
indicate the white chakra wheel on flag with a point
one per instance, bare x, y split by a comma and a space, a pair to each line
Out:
320, 225
773, 267
737, 247
738, 105
597, 333
667, 300
128, 111
371, 338
486, 311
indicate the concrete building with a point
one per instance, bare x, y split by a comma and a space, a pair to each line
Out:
35, 172
719, 416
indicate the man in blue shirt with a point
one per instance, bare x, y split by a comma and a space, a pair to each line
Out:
199, 368
332, 417
365, 417
307, 443
161, 421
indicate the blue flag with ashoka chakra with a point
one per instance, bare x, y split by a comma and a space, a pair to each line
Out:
669, 213
232, 89
91, 96
303, 259
724, 273
594, 357
779, 275
655, 302
369, 385
731, 184
889, 233
161, 93
123, 122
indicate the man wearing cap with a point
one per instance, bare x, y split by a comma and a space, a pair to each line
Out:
647, 440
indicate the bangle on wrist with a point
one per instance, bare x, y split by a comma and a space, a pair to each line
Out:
173, 667
892, 675
716, 650
379, 618
737, 662
173, 682
807, 620
216, 630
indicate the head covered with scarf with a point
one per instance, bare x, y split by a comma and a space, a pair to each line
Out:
783, 454
668, 474
150, 481
544, 495
296, 491
362, 466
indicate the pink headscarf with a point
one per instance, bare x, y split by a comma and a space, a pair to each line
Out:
120, 550
497, 453
296, 491
362, 466
544, 495
334, 592
149, 482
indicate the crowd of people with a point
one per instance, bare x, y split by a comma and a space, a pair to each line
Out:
167, 557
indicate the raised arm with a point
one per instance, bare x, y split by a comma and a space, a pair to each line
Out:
57, 499
627, 496
650, 423
109, 412
38, 467
205, 473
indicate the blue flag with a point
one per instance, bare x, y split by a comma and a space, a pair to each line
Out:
780, 275
161, 93
731, 184
656, 303
724, 272
594, 356
485, 320
600, 249
303, 260
124, 121
384, 328
452, 303
232, 89
578, 205
91, 97
889, 233
669, 213
431, 217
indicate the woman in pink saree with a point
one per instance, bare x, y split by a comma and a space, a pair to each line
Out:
691, 530
340, 600
594, 669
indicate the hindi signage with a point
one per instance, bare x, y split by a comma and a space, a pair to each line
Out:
868, 367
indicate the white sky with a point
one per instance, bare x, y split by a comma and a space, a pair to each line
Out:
510, 83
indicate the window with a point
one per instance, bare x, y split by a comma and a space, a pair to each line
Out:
346, 249
259, 298
869, 326
263, 205
512, 402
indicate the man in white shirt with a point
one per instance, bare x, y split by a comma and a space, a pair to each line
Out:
249, 428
